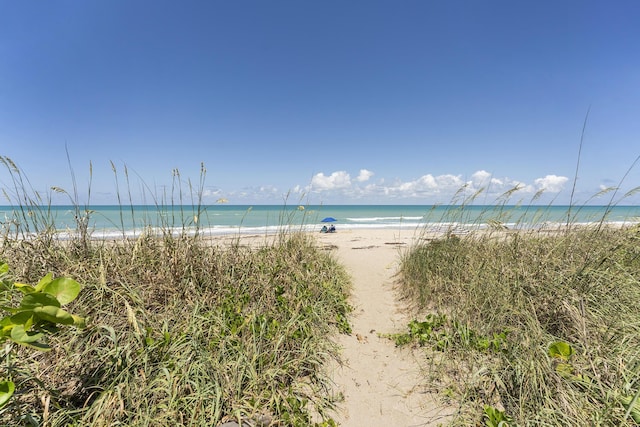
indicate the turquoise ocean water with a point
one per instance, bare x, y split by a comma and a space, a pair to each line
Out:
115, 221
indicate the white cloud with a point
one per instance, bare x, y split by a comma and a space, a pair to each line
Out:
494, 186
451, 182
520, 186
443, 188
551, 183
209, 192
339, 179
428, 185
339, 187
269, 189
364, 175
481, 178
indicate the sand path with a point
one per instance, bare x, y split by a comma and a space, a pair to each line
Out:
381, 384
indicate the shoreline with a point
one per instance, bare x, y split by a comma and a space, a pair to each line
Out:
435, 229
108, 222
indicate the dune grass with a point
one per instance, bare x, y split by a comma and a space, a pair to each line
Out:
183, 332
531, 327
180, 330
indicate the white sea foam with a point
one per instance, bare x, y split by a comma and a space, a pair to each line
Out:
385, 218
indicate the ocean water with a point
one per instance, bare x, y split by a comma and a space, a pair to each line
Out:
116, 221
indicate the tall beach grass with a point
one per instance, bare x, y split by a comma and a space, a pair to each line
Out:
501, 302
181, 330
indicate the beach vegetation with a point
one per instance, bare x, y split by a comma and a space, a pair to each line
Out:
179, 329
38, 313
441, 333
494, 417
559, 301
542, 324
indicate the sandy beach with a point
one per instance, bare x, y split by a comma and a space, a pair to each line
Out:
381, 384
376, 383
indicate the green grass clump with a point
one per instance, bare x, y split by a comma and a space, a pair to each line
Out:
179, 330
182, 332
559, 311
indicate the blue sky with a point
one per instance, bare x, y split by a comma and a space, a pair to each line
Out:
389, 102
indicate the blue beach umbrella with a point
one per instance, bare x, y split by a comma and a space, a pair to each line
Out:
329, 219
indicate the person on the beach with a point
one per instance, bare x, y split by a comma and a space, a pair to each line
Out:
324, 229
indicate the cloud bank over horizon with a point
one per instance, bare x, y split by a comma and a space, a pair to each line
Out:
339, 185
364, 187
